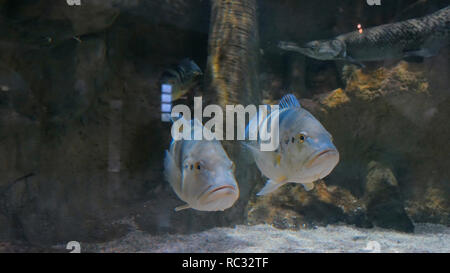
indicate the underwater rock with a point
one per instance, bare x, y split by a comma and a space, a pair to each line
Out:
19, 145
334, 98
15, 94
320, 77
56, 83
385, 207
76, 194
396, 115
296, 75
63, 81
433, 207
56, 21
91, 16
392, 116
91, 73
291, 207
428, 196
6, 231
173, 13
401, 79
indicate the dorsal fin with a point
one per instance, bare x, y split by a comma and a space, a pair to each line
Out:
289, 101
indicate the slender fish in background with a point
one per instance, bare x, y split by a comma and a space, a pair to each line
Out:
306, 152
183, 77
201, 174
421, 37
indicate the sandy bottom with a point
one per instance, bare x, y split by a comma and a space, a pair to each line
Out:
265, 238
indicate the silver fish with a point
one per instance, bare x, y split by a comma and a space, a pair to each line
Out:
183, 77
305, 153
201, 174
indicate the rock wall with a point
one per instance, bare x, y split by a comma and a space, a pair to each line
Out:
81, 113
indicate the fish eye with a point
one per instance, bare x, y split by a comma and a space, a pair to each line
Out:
335, 43
192, 167
293, 139
302, 138
197, 165
315, 46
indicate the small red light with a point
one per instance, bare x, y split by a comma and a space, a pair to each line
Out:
360, 28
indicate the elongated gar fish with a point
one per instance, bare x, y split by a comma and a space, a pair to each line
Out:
201, 174
182, 77
306, 152
422, 37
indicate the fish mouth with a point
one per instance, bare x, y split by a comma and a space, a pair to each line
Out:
206, 194
219, 193
323, 153
222, 188
219, 198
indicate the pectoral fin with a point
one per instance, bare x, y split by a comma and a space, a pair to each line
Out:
185, 206
353, 61
424, 52
308, 186
272, 185
254, 150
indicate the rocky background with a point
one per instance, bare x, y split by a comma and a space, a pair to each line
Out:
82, 143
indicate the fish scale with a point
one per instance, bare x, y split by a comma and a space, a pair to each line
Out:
410, 35
422, 37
